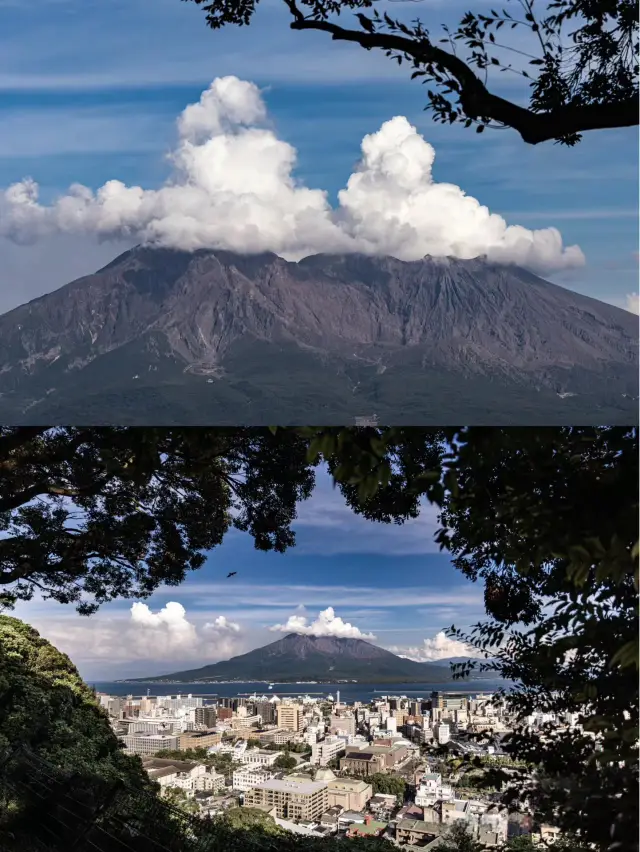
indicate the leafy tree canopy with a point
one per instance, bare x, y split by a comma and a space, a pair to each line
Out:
578, 59
89, 515
393, 784
285, 761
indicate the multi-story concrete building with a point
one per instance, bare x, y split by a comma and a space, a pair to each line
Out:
350, 793
259, 757
278, 736
323, 752
343, 722
206, 716
443, 733
199, 739
267, 710
290, 716
251, 776
362, 763
150, 743
292, 798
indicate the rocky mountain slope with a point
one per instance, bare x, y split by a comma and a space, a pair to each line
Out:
211, 337
319, 658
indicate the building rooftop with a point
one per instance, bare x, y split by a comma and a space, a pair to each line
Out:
419, 825
287, 785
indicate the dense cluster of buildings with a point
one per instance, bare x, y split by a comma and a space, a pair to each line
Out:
338, 753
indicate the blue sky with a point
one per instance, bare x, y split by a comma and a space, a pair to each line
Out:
91, 91
387, 583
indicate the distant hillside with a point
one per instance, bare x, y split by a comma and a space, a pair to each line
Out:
320, 658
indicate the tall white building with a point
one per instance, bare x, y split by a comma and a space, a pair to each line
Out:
325, 750
443, 733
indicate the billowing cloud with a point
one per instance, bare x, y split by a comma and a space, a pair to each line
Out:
633, 303
222, 625
233, 188
144, 636
326, 624
440, 647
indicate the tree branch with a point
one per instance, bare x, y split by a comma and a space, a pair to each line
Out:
476, 100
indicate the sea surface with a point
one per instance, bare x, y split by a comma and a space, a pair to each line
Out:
349, 692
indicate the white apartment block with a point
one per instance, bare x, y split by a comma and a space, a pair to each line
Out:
210, 782
443, 733
326, 750
250, 776
432, 790
246, 721
150, 743
259, 757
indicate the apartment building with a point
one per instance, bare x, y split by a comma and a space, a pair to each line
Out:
206, 716
432, 790
199, 739
292, 798
210, 782
290, 716
326, 750
279, 736
142, 743
267, 710
248, 777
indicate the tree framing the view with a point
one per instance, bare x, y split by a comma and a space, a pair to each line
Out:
581, 67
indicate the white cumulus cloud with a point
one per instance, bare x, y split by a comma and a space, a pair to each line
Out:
633, 303
233, 188
326, 624
440, 647
222, 625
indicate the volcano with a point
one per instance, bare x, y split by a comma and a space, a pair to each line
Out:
314, 658
214, 338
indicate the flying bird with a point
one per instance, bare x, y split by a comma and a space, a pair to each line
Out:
231, 574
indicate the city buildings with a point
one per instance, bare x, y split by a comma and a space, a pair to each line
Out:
290, 716
328, 749
142, 743
293, 799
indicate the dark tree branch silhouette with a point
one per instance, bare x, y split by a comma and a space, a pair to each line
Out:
587, 78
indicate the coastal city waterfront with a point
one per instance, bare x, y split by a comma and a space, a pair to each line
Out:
349, 691
406, 766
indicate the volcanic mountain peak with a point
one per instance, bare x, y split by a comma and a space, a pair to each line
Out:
321, 658
175, 336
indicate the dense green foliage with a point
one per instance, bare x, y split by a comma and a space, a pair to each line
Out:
177, 797
285, 761
393, 784
45, 705
89, 515
578, 59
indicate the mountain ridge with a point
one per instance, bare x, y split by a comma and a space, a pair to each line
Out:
163, 335
317, 658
